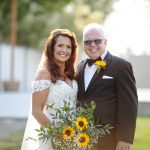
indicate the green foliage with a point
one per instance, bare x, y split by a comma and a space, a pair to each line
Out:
5, 20
36, 18
52, 5
72, 124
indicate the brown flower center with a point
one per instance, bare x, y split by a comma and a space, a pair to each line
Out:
82, 139
81, 124
68, 132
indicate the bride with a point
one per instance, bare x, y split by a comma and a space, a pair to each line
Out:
53, 83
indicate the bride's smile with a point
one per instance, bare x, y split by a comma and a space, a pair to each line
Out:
62, 49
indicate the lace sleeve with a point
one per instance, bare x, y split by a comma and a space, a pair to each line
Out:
40, 85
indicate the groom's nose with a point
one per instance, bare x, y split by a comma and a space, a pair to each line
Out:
93, 43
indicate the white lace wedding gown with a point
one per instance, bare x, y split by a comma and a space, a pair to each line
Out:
59, 92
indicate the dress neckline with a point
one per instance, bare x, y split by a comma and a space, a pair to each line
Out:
70, 86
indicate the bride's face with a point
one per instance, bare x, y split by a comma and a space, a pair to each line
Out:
62, 49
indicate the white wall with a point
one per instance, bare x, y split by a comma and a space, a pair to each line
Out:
26, 62
14, 104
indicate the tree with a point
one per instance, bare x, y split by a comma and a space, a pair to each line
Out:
36, 18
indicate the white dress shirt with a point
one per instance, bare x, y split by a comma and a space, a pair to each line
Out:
89, 71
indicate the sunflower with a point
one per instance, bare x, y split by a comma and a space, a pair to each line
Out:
100, 64
68, 132
83, 140
81, 123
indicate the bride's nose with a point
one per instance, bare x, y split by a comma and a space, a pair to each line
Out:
64, 49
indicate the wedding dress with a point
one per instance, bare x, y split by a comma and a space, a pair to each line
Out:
58, 92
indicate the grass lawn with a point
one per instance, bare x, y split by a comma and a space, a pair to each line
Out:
142, 137
13, 142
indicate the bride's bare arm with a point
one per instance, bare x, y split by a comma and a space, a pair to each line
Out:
39, 99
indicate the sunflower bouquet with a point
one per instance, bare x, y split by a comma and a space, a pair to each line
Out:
75, 129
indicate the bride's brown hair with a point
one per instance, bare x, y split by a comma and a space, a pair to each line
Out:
49, 61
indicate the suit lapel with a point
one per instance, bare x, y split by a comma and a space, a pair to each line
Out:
108, 59
82, 67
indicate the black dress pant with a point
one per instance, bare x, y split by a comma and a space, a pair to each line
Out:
108, 147
108, 142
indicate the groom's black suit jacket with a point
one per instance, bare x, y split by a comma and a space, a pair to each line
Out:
116, 98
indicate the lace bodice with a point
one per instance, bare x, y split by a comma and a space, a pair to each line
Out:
40, 85
58, 93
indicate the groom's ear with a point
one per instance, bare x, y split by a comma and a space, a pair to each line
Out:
105, 42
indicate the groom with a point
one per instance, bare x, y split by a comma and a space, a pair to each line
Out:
112, 88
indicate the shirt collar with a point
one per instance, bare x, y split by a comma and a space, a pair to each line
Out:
104, 54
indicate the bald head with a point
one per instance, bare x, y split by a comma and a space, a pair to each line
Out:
94, 26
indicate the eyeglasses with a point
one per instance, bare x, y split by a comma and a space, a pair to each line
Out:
96, 42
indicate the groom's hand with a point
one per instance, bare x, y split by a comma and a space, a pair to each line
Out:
122, 145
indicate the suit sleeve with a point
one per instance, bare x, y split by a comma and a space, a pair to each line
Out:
127, 103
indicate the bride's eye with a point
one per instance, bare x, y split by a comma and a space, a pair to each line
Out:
60, 45
68, 46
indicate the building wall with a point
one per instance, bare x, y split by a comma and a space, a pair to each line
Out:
26, 62
141, 68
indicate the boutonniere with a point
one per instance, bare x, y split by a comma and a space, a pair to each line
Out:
101, 64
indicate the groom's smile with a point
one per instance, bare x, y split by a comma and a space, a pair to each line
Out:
94, 43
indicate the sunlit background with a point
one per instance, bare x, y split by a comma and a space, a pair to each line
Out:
25, 25
128, 27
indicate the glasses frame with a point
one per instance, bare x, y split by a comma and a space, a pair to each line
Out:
96, 42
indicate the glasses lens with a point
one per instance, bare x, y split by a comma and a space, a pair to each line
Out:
88, 42
96, 42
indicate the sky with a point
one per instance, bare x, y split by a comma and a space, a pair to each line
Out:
128, 28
